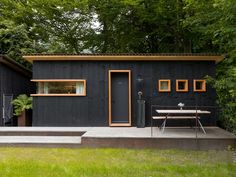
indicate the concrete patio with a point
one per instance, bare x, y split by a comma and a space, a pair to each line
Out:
121, 137
170, 132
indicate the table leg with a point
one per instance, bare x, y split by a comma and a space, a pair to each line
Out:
196, 126
199, 122
163, 129
151, 128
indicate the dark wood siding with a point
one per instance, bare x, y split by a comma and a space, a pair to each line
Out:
92, 110
13, 82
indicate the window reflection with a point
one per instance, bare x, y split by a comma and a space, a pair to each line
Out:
75, 87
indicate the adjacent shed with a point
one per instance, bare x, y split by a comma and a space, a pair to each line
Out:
102, 89
14, 80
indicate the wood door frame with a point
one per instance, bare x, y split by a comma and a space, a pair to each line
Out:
109, 98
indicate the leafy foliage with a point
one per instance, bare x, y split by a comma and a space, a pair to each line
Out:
14, 40
101, 26
22, 103
214, 24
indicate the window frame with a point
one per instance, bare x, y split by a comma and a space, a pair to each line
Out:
203, 81
164, 80
60, 80
186, 89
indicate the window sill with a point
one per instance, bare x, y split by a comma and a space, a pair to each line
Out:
199, 90
164, 91
57, 95
181, 90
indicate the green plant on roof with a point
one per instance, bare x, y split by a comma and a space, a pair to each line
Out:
22, 103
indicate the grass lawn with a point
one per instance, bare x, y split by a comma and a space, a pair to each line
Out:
53, 162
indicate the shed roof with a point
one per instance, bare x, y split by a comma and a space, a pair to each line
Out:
14, 65
126, 57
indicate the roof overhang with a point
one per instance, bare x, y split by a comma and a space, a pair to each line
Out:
15, 65
102, 57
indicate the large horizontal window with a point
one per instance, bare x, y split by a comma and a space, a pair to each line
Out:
60, 87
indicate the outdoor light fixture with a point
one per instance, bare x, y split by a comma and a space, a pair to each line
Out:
139, 83
140, 79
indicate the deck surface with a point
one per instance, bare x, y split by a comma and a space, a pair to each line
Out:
133, 132
121, 137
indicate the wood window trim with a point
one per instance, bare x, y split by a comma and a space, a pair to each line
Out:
60, 80
195, 85
120, 124
110, 97
185, 83
164, 80
40, 94
31, 58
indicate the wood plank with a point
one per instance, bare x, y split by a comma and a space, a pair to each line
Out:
150, 72
31, 58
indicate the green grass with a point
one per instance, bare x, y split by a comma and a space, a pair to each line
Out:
53, 162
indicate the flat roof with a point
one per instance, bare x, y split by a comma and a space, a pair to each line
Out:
126, 57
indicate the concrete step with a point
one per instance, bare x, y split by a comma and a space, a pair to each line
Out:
41, 131
41, 136
60, 141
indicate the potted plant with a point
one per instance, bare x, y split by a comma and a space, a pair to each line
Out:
21, 104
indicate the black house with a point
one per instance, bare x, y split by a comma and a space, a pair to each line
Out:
14, 80
102, 89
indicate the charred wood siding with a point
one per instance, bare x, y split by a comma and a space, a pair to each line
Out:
92, 110
13, 82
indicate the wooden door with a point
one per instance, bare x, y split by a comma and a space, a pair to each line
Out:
119, 98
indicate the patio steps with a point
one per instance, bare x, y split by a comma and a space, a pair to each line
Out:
40, 136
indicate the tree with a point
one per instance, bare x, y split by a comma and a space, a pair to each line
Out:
56, 26
14, 40
214, 24
143, 26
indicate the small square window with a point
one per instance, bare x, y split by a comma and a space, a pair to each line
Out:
164, 85
182, 85
199, 85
